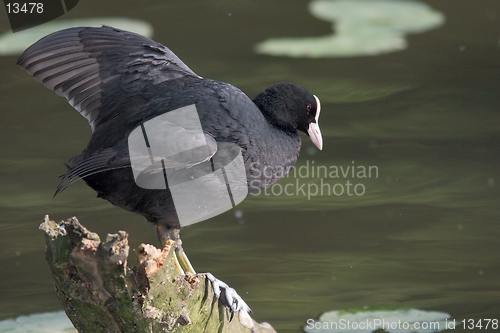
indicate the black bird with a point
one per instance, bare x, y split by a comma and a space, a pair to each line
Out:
120, 80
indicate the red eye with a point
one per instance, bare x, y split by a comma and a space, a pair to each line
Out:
309, 107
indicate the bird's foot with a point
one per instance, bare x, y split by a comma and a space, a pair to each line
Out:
228, 297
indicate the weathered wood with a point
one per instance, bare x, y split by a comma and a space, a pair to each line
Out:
100, 293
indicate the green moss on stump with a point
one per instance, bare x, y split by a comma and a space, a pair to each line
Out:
100, 293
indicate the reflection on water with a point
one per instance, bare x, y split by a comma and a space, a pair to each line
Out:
51, 322
15, 43
361, 28
423, 235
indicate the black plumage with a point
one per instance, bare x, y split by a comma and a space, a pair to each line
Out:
119, 81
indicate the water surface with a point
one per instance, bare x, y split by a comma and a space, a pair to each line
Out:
425, 233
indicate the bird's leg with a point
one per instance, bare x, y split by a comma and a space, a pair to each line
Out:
181, 260
179, 251
164, 236
225, 294
228, 296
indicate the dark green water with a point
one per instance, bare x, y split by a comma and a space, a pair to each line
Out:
425, 233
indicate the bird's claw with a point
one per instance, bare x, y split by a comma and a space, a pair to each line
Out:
228, 296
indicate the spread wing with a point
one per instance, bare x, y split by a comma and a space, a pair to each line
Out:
108, 159
104, 161
85, 65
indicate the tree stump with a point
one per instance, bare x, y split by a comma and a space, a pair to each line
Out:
100, 293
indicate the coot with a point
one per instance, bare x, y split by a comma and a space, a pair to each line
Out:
120, 80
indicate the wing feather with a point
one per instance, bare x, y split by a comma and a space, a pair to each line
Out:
85, 64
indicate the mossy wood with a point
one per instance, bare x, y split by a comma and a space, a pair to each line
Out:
100, 293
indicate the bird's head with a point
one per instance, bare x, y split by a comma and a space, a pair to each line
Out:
292, 107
